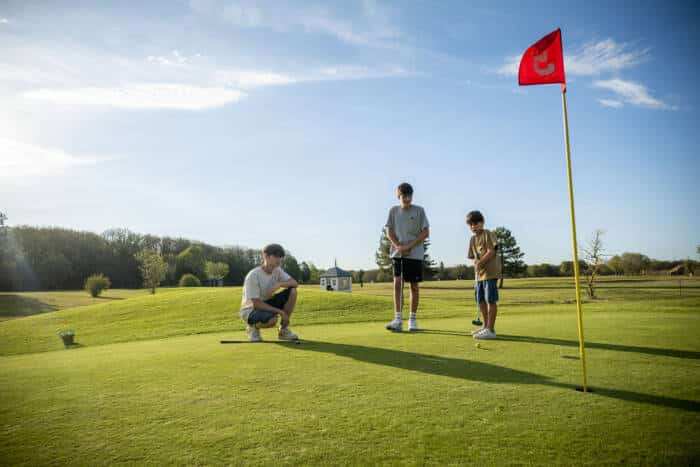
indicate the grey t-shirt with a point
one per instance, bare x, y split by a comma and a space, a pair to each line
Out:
407, 225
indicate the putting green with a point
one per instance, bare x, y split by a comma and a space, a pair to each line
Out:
353, 393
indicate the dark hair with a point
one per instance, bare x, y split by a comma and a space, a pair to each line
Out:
475, 217
273, 249
405, 189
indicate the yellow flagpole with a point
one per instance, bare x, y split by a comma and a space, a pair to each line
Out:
582, 352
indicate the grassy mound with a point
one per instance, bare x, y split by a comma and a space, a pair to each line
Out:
176, 313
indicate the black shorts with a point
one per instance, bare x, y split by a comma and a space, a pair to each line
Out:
412, 269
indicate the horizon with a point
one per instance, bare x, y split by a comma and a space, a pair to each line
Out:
246, 123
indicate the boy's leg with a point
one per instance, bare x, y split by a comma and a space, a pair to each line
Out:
397, 323
492, 301
493, 309
289, 306
414, 297
483, 307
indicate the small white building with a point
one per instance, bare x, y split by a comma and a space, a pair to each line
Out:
336, 280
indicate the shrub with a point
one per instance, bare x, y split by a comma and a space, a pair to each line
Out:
189, 280
96, 284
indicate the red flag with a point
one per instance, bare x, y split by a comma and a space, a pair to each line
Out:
543, 63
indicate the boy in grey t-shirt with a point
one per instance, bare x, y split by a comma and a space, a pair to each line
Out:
406, 227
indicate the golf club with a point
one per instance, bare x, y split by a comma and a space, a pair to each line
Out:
477, 321
401, 295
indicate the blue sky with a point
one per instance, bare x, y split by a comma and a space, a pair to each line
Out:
250, 122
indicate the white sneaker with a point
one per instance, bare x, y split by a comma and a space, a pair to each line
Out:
412, 325
477, 331
286, 334
487, 334
253, 334
396, 325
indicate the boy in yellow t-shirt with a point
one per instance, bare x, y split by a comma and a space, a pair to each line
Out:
482, 249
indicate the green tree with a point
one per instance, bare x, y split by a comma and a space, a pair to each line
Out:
315, 277
511, 257
189, 280
615, 264
428, 263
442, 273
567, 267
191, 261
361, 277
635, 263
153, 268
96, 284
291, 267
305, 272
216, 270
381, 257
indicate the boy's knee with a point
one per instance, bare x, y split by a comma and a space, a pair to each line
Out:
293, 292
270, 323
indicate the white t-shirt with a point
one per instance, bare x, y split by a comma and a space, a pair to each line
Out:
259, 284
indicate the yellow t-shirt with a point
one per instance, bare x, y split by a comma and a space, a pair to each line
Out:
479, 245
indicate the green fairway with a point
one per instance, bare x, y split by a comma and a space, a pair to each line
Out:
151, 383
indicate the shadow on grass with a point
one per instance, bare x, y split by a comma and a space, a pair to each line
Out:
593, 345
473, 371
15, 306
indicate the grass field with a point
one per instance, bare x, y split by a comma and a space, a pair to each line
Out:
150, 382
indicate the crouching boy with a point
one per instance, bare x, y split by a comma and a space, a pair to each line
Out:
260, 306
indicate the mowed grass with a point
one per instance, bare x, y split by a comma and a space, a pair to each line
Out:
152, 384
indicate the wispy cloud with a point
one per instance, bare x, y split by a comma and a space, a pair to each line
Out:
370, 26
174, 58
19, 159
591, 59
610, 103
631, 93
4, 20
142, 96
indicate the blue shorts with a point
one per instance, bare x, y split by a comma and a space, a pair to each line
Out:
486, 291
263, 316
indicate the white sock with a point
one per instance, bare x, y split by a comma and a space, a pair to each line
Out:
413, 316
398, 316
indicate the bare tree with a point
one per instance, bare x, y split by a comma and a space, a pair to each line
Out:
593, 254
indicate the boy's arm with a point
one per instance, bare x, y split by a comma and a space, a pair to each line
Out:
262, 306
391, 235
284, 280
425, 233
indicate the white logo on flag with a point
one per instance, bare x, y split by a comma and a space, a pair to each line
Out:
542, 58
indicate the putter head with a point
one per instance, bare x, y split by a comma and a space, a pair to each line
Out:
477, 322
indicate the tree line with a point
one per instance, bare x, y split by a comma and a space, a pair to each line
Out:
37, 258
34, 258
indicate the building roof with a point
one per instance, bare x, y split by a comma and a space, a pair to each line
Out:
336, 272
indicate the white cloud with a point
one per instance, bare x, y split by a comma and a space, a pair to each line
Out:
592, 59
175, 58
370, 26
252, 79
4, 21
631, 93
603, 56
142, 96
18, 159
610, 103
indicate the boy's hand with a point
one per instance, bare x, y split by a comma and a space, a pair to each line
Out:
403, 250
477, 263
